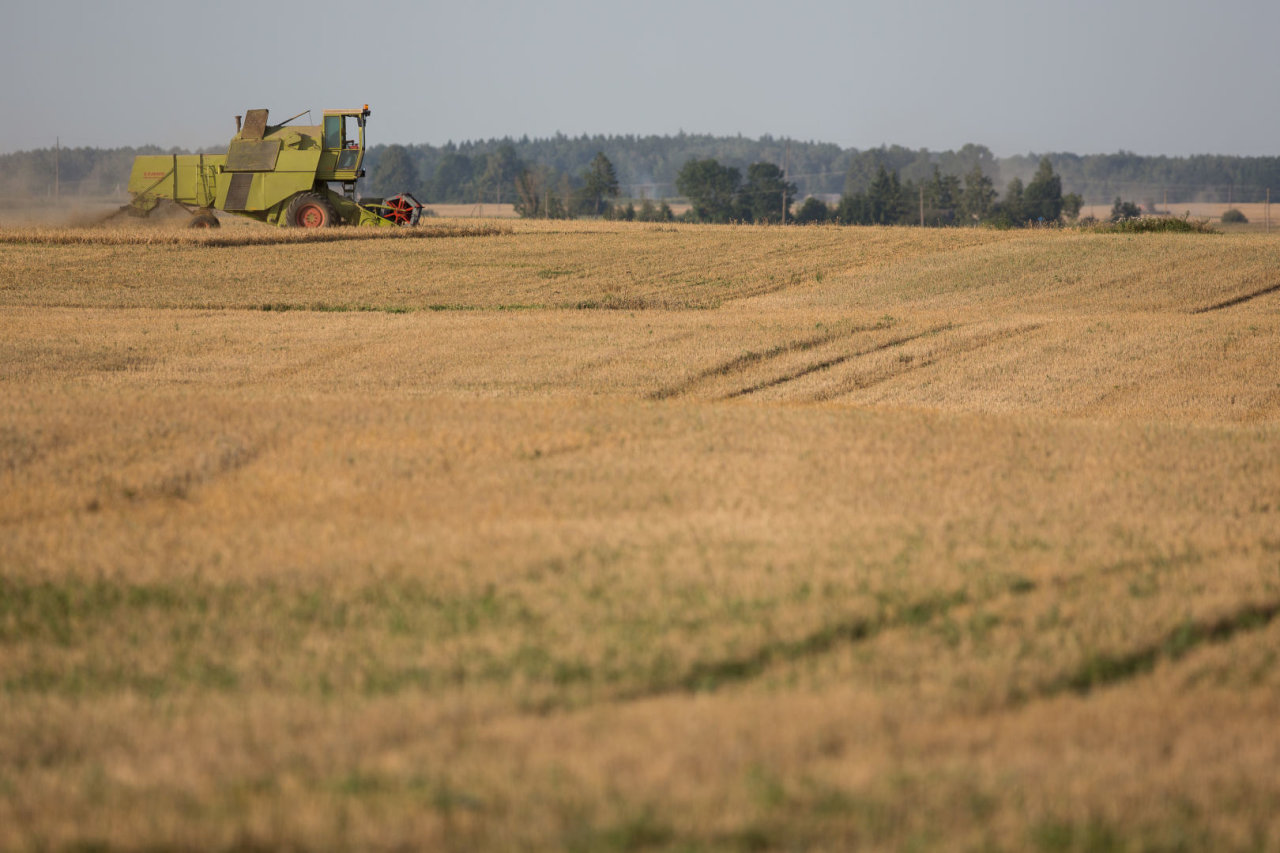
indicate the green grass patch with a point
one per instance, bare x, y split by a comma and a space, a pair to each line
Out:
1154, 225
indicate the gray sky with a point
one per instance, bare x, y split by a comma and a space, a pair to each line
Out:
1087, 76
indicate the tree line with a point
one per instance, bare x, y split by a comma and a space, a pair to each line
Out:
717, 193
646, 168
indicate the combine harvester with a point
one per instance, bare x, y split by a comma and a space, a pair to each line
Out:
279, 174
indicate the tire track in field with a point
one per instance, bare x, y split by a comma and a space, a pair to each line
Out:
885, 374
749, 360
712, 674
1095, 672
229, 455
1098, 671
1238, 300
827, 364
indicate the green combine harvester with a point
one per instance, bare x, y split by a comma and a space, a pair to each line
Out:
281, 174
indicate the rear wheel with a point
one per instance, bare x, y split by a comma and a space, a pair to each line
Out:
204, 220
310, 210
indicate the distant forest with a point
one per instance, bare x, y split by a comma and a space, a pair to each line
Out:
646, 167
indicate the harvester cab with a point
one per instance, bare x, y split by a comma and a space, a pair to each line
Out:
343, 147
282, 174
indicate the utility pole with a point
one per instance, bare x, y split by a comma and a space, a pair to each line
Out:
1268, 209
786, 165
922, 205
57, 184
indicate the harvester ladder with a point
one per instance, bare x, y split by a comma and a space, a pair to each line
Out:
208, 185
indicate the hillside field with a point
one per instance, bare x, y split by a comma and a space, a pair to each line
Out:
499, 535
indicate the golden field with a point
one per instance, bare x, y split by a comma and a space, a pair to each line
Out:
587, 536
1259, 214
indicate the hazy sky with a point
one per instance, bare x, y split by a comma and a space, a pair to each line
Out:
1088, 76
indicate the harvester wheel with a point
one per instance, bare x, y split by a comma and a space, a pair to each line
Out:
398, 209
310, 210
204, 220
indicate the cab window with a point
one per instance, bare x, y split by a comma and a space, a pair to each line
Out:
333, 132
347, 160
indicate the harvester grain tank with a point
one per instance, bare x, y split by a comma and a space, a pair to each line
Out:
282, 174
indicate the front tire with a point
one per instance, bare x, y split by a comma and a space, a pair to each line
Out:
310, 210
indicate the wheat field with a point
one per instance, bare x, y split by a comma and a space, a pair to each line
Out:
1259, 214
594, 536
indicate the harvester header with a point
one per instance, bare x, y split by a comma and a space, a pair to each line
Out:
284, 174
